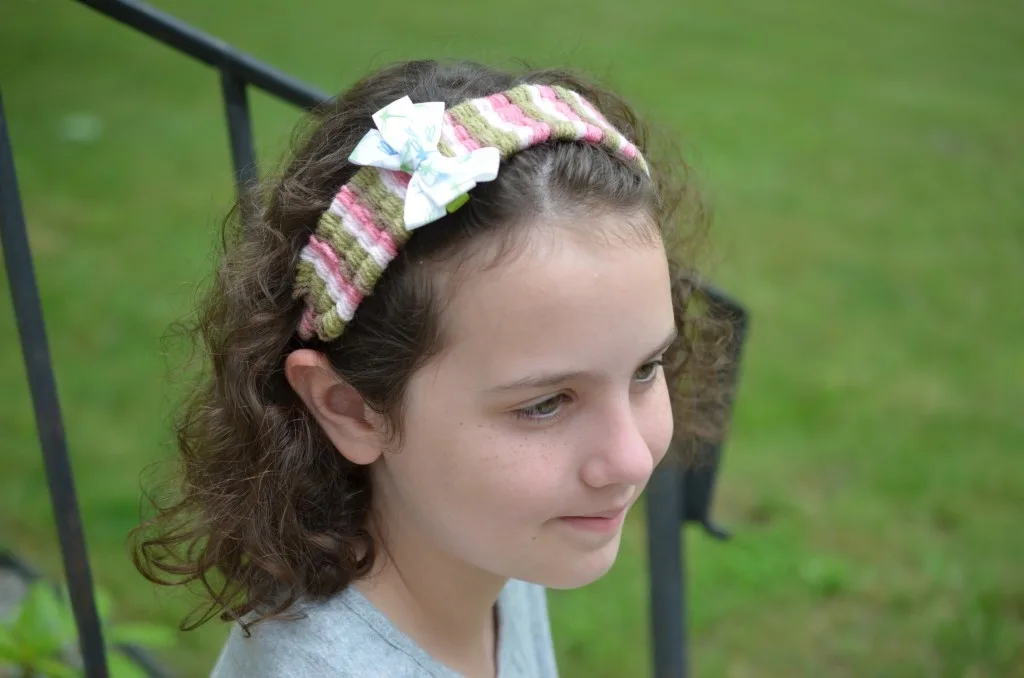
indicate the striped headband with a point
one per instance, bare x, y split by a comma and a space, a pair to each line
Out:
417, 166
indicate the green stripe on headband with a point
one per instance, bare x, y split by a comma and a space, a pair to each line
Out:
560, 128
387, 208
483, 132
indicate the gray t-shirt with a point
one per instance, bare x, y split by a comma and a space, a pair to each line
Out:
347, 637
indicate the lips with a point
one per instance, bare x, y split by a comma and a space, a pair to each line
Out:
601, 523
613, 513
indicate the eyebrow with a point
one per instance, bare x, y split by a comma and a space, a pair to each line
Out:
547, 380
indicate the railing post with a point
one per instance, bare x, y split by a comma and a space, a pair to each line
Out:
667, 571
243, 156
28, 312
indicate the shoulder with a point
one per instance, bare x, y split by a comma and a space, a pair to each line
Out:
328, 639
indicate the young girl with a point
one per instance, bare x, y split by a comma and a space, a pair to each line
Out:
444, 357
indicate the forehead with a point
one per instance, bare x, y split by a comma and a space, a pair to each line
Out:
565, 300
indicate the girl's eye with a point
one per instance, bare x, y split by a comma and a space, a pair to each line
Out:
647, 373
544, 410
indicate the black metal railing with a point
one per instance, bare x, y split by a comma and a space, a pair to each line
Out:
675, 496
28, 311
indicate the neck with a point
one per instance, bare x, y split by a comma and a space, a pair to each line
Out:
444, 604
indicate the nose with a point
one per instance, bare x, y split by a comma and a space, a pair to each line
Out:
620, 454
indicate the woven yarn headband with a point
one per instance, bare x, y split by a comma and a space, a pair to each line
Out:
416, 167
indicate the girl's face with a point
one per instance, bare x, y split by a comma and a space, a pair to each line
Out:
531, 435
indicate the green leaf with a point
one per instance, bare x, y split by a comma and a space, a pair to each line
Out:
146, 635
39, 626
69, 628
51, 668
8, 648
122, 667
104, 604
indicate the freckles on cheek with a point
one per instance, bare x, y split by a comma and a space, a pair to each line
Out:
521, 474
544, 472
479, 454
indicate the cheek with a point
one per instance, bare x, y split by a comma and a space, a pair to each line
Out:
478, 470
519, 473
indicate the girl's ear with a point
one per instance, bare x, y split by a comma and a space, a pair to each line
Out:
339, 409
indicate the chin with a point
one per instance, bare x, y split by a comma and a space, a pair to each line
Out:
577, 570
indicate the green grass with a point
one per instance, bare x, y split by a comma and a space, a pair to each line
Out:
865, 163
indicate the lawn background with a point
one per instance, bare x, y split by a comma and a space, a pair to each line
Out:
864, 160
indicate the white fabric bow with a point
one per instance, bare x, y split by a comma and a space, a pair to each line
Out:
406, 140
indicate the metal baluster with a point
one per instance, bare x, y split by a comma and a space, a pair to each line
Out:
236, 105
28, 312
666, 567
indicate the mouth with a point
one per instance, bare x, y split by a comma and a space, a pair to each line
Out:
603, 522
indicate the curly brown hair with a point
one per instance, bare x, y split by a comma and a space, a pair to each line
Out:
265, 509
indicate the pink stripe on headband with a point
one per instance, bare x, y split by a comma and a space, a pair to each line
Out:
486, 110
460, 132
326, 256
593, 133
514, 115
625, 146
590, 110
449, 139
307, 323
550, 107
400, 178
396, 182
344, 307
365, 244
365, 219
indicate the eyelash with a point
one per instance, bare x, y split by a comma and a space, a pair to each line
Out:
653, 367
530, 413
